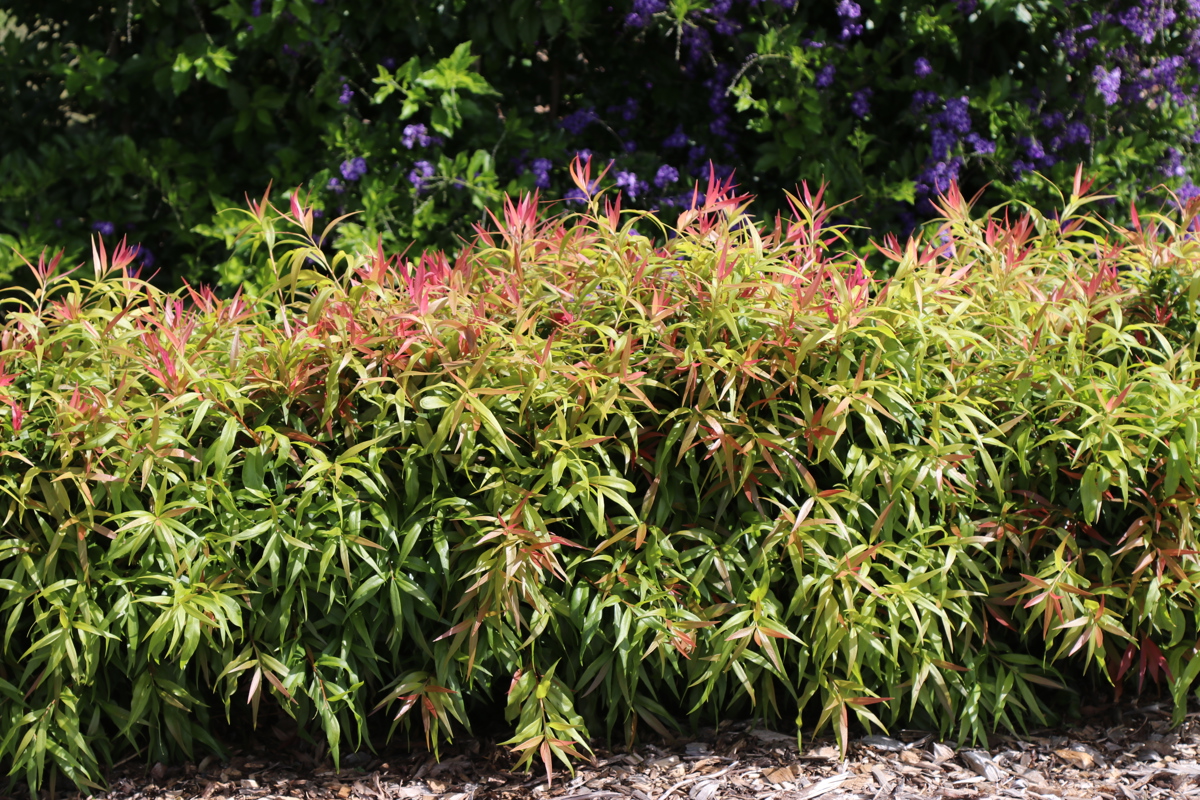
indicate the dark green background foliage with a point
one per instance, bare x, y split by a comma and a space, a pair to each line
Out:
606, 483
153, 115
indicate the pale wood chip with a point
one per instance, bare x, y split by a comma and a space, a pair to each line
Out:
824, 786
1076, 758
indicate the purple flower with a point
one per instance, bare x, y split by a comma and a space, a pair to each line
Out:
335, 185
860, 104
630, 183
541, 172
922, 68
288, 50
848, 9
679, 138
937, 177
956, 116
642, 10
628, 110
699, 44
923, 97
967, 6
726, 27
850, 30
388, 63
346, 95
1144, 23
1033, 147
354, 168
1052, 120
665, 176
1173, 167
1107, 83
414, 135
1077, 133
256, 8
142, 252
104, 227
979, 144
824, 78
577, 121
942, 141
421, 172
1188, 191
648, 7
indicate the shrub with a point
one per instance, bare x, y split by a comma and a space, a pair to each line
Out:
155, 117
610, 480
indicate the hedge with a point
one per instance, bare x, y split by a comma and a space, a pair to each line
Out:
606, 470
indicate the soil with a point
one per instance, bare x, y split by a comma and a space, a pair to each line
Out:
1122, 753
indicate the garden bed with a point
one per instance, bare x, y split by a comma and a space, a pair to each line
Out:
1129, 752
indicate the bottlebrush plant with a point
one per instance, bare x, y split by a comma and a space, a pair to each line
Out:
611, 479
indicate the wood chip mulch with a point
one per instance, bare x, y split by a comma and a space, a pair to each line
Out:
1133, 754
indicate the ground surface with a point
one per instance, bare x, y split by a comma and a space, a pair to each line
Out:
1123, 753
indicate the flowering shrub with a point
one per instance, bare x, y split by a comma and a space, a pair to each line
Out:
419, 116
615, 481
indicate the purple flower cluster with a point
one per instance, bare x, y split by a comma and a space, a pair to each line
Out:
979, 145
143, 252
1173, 166
860, 103
422, 171
665, 176
949, 127
414, 136
1113, 75
104, 227
1108, 83
721, 124
676, 139
628, 110
922, 98
541, 172
577, 122
628, 181
346, 95
354, 168
577, 195
1146, 20
849, 11
643, 10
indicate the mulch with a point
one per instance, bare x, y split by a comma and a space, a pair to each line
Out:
1128, 753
